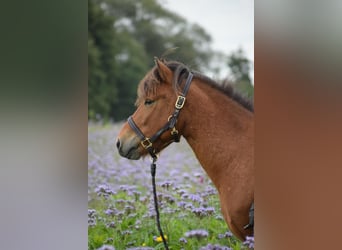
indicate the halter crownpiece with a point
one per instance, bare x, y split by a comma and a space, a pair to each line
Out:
147, 143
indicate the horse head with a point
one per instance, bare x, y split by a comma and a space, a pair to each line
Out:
155, 123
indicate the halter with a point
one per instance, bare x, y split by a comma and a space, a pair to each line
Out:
147, 143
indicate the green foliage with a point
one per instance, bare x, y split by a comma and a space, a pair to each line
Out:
101, 62
240, 68
127, 231
123, 39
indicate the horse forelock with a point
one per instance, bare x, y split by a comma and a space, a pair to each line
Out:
148, 85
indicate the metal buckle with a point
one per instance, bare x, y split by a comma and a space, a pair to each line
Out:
146, 143
174, 131
180, 102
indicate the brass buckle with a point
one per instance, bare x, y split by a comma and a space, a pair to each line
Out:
174, 131
180, 102
146, 143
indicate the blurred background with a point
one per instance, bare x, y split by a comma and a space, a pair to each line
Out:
215, 38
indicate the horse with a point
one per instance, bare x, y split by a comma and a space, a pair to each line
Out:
217, 123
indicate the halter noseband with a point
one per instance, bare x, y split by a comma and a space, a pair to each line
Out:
146, 142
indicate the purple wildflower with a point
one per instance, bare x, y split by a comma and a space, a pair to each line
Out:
140, 248
91, 213
110, 212
182, 192
166, 184
126, 232
143, 199
167, 198
91, 217
202, 211
249, 242
198, 233
111, 224
199, 211
183, 240
227, 234
104, 190
106, 247
109, 240
120, 201
195, 198
130, 190
129, 209
119, 214
215, 247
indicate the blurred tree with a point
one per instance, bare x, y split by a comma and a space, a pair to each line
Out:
124, 37
101, 62
157, 29
240, 68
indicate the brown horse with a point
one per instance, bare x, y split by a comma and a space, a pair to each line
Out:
216, 122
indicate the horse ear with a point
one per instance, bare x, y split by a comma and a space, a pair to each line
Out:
164, 72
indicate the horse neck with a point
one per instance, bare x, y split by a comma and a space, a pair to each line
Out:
219, 130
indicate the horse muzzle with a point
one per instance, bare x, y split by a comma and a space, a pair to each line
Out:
128, 148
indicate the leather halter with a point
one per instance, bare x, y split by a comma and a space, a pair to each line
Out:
146, 142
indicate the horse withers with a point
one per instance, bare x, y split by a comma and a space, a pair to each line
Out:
217, 123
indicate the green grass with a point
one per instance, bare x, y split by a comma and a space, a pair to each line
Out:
128, 233
131, 224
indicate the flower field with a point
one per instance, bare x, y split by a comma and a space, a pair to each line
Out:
120, 202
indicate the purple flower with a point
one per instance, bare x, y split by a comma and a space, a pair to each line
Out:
91, 222
202, 211
183, 240
166, 197
129, 209
198, 233
215, 247
195, 198
111, 224
140, 248
166, 184
91, 213
185, 205
104, 190
227, 234
120, 201
110, 212
109, 240
249, 242
126, 232
106, 247
91, 217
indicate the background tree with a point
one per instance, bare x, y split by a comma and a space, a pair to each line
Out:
240, 68
123, 39
101, 61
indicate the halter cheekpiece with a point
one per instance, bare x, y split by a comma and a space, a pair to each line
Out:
147, 143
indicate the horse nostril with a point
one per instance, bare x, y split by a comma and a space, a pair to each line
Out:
118, 143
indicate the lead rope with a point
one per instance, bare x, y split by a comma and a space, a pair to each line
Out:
153, 174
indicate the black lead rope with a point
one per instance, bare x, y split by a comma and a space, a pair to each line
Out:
153, 174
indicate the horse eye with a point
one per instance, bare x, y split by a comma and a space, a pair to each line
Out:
148, 102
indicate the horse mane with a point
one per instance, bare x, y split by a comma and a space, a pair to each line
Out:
153, 79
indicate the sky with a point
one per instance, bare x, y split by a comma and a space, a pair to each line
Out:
230, 23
